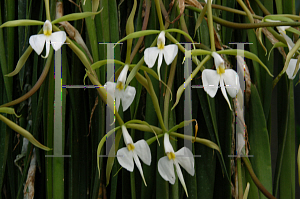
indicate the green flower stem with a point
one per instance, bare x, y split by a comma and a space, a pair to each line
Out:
168, 93
144, 127
47, 8
276, 35
158, 10
247, 25
205, 142
262, 7
144, 27
235, 11
240, 181
255, 179
91, 29
37, 84
249, 15
155, 103
210, 26
130, 29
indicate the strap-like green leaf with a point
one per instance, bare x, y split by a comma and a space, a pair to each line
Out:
22, 22
75, 16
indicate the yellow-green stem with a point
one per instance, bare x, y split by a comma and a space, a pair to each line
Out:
47, 8
210, 26
159, 15
249, 15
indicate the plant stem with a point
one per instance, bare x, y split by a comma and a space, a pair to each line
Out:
158, 10
240, 182
210, 26
249, 15
255, 179
47, 8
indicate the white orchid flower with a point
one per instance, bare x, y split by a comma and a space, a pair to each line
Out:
292, 64
184, 157
133, 151
118, 91
212, 78
169, 52
57, 39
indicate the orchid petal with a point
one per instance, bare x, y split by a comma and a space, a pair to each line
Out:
210, 79
126, 136
166, 169
58, 39
180, 176
224, 91
232, 82
125, 158
167, 145
186, 159
37, 42
47, 47
291, 68
170, 52
142, 149
150, 55
128, 97
110, 88
288, 40
123, 75
139, 166
219, 61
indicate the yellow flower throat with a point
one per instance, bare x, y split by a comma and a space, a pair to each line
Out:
47, 32
120, 86
130, 147
220, 70
171, 155
160, 46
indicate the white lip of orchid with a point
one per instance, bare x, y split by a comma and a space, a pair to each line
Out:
37, 42
122, 78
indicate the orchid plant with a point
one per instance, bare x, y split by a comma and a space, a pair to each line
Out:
211, 163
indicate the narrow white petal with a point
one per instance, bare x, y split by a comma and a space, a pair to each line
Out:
160, 57
232, 82
219, 61
210, 79
167, 145
58, 39
180, 176
291, 68
126, 136
150, 55
125, 158
37, 42
110, 89
166, 169
117, 103
288, 40
142, 149
47, 47
161, 38
186, 159
139, 166
224, 91
123, 75
170, 52
128, 97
